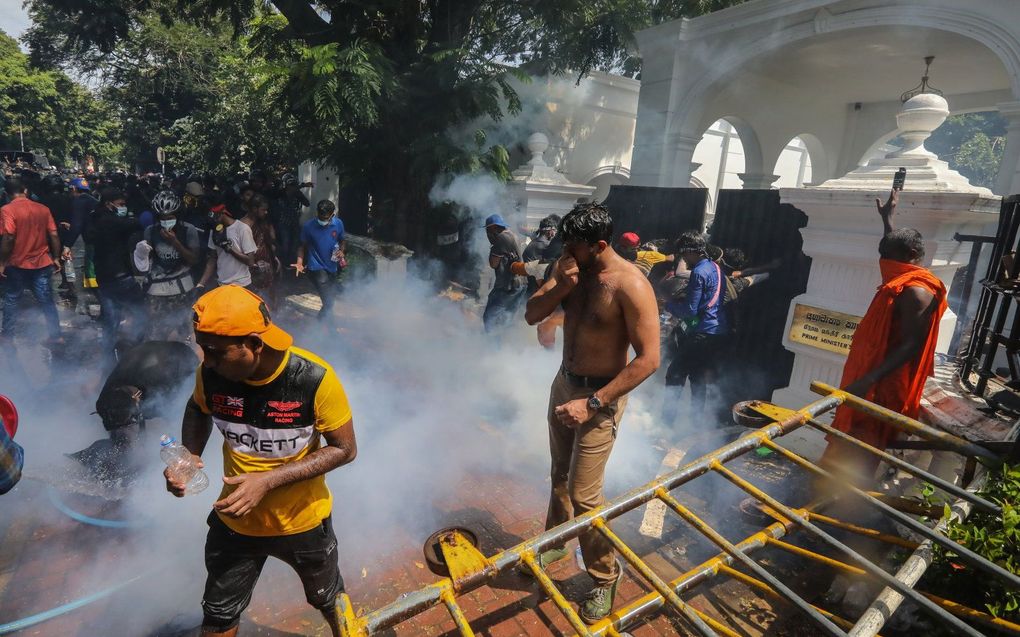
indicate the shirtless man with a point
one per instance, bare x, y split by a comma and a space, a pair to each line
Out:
609, 307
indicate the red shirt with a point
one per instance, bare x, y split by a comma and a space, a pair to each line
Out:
30, 223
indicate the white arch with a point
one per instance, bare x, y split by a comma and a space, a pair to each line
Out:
979, 29
753, 158
608, 169
820, 168
816, 156
604, 178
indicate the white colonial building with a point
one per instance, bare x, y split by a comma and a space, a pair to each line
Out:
826, 72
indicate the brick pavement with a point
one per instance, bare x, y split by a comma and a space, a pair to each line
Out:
43, 570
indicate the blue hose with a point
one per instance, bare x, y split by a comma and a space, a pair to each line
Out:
32, 620
85, 519
20, 624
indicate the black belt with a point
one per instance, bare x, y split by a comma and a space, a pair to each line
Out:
589, 382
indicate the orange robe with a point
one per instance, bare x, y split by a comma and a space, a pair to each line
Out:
877, 333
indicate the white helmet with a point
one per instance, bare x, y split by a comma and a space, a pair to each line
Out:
166, 202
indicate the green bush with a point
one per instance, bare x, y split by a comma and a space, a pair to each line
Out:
993, 537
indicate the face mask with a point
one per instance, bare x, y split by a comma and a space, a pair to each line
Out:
168, 224
326, 222
121, 211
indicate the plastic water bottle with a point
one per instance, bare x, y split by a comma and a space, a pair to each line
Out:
69, 269
182, 465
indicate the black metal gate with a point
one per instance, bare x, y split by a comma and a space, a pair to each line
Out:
765, 229
656, 213
997, 321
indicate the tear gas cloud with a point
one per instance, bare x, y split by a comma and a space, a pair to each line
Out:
435, 402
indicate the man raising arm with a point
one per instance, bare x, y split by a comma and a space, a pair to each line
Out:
893, 350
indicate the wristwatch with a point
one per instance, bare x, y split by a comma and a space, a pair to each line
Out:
594, 403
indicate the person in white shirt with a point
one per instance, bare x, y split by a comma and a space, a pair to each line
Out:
231, 251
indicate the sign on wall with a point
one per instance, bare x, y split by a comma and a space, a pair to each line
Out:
822, 328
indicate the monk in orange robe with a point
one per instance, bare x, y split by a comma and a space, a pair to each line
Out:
893, 350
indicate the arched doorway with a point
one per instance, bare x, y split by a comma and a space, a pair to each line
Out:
606, 177
795, 165
726, 149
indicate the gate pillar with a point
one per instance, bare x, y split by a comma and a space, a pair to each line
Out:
842, 236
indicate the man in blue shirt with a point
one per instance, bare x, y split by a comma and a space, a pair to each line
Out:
322, 253
698, 340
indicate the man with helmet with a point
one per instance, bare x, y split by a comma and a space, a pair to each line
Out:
508, 289
322, 253
83, 203
165, 255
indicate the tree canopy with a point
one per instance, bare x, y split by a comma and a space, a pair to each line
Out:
50, 111
973, 144
374, 89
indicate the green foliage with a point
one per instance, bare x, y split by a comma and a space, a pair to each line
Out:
979, 158
54, 113
996, 538
972, 144
382, 91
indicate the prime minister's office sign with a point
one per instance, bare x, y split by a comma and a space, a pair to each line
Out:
825, 329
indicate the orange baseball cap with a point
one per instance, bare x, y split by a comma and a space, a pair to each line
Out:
231, 310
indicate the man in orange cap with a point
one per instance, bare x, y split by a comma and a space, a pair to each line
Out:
272, 402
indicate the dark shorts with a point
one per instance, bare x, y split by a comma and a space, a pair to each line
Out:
234, 562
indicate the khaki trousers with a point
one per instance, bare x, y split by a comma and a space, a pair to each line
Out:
578, 471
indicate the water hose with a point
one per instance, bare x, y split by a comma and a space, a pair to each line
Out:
21, 624
31, 620
86, 519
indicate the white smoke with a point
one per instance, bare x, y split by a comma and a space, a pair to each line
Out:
435, 402
481, 193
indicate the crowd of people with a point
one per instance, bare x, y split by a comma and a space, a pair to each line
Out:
697, 286
200, 258
148, 246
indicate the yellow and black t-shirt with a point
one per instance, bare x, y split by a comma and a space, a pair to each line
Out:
647, 259
271, 422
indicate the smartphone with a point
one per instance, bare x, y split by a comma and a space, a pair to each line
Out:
901, 176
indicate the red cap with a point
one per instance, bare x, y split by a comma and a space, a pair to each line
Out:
8, 416
629, 240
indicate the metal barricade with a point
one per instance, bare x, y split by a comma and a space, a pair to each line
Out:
469, 569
